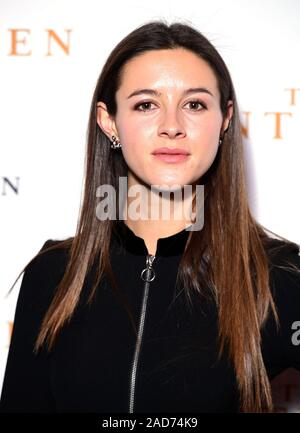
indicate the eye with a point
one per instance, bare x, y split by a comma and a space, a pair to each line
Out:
144, 105
195, 104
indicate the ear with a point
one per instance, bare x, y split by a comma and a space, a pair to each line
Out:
105, 121
227, 118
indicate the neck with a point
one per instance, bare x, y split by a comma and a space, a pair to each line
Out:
158, 215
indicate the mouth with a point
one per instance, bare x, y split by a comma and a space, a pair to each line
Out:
171, 155
166, 157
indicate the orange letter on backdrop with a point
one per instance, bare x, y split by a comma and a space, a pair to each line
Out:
293, 95
245, 129
53, 35
15, 42
278, 122
10, 330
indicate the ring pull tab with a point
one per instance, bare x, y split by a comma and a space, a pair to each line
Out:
148, 273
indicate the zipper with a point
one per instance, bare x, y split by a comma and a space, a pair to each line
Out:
147, 275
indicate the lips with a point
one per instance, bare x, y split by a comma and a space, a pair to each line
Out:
168, 151
170, 156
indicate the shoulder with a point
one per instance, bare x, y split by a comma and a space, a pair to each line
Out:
280, 343
284, 265
43, 272
281, 252
51, 259
53, 253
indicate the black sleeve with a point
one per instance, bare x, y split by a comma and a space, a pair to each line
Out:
26, 386
287, 296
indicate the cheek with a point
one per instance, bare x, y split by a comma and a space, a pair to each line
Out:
206, 143
131, 140
208, 129
132, 131
136, 138
206, 136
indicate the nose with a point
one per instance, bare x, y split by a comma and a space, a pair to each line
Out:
171, 126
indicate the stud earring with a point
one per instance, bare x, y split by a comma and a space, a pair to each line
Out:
115, 143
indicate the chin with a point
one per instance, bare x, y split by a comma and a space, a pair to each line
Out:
164, 183
167, 186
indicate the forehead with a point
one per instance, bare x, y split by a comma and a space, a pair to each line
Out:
174, 68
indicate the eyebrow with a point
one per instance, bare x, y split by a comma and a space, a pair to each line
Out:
156, 93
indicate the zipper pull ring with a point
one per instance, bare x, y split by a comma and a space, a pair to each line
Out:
148, 273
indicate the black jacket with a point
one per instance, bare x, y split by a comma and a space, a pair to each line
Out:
97, 364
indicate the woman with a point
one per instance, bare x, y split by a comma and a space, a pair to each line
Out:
153, 315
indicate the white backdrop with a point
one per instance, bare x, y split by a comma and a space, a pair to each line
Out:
51, 53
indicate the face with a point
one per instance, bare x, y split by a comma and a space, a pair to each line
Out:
166, 115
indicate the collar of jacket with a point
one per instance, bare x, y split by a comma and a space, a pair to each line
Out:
169, 246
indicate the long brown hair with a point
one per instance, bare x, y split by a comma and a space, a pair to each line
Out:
227, 255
